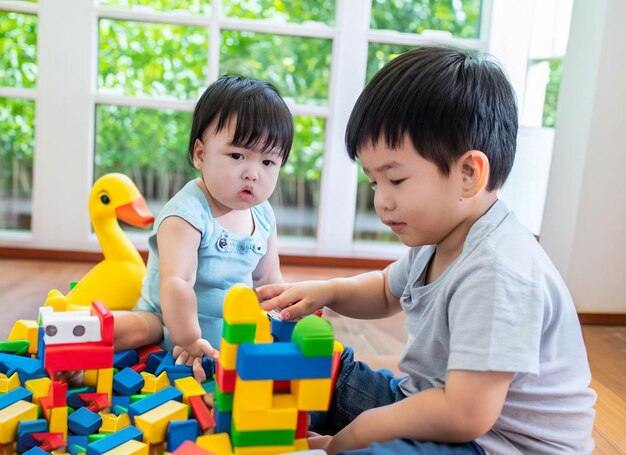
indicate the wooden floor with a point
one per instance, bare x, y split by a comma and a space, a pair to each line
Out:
25, 283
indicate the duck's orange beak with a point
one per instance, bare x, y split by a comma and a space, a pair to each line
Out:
135, 213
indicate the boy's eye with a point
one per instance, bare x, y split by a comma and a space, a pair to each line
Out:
396, 182
236, 156
268, 163
373, 185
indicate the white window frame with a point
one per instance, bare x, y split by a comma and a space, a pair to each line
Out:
66, 96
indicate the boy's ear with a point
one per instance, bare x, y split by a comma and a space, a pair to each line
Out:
475, 171
198, 154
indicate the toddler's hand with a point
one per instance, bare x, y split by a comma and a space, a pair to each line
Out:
191, 355
295, 300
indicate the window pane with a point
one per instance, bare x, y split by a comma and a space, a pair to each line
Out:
18, 48
138, 58
164, 6
296, 197
298, 67
17, 119
379, 54
459, 17
296, 11
552, 93
150, 146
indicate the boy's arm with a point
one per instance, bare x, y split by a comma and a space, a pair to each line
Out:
465, 409
268, 268
178, 245
364, 296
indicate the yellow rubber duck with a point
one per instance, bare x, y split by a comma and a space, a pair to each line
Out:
116, 281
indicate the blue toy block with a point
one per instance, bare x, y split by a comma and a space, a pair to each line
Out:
114, 440
77, 444
24, 429
84, 422
281, 330
127, 382
124, 359
209, 386
15, 395
279, 361
36, 451
72, 399
181, 431
209, 366
166, 361
222, 420
25, 367
152, 401
41, 346
175, 372
154, 360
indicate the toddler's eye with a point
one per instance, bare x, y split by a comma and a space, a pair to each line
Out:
268, 163
396, 182
236, 156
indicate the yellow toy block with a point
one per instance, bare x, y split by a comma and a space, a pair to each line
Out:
312, 394
90, 378
219, 443
9, 383
190, 388
25, 329
302, 444
12, 415
132, 447
154, 422
264, 450
105, 382
228, 355
39, 387
152, 383
253, 395
58, 421
112, 423
337, 346
241, 306
282, 415
263, 329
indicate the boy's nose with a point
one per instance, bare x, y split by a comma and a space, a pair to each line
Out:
382, 202
250, 174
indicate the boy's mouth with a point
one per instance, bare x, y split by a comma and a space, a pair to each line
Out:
396, 226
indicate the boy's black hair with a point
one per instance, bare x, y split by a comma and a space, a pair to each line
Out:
263, 119
448, 101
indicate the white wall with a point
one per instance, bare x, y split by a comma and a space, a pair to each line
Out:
584, 223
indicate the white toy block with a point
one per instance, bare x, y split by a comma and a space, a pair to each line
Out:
61, 327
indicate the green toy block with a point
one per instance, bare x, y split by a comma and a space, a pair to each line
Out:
315, 336
223, 400
262, 438
239, 333
16, 347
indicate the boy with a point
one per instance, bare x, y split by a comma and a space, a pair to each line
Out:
494, 361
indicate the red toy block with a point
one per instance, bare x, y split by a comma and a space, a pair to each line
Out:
302, 425
95, 401
77, 356
190, 448
145, 351
49, 441
139, 367
201, 412
106, 321
56, 398
282, 386
225, 379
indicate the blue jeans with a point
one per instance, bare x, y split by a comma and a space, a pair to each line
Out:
360, 388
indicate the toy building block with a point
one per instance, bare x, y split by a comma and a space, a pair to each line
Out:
8, 383
280, 415
223, 400
100, 310
84, 422
219, 443
112, 423
15, 395
69, 327
49, 441
314, 335
38, 387
208, 386
15, 347
24, 429
145, 351
114, 440
238, 333
36, 451
95, 401
189, 448
79, 356
153, 401
175, 372
225, 379
166, 360
262, 438
131, 447
189, 387
105, 381
154, 383
302, 425
263, 329
241, 306
77, 445
312, 394
25, 367
154, 359
181, 431
127, 382
253, 395
139, 367
223, 420
124, 359
58, 422
12, 415
90, 378
26, 330
202, 413
281, 330
280, 361
228, 355
154, 422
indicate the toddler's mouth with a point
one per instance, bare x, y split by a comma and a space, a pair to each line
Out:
245, 194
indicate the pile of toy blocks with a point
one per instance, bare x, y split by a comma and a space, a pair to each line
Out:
270, 374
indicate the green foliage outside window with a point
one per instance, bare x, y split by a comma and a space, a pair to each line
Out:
552, 93
282, 10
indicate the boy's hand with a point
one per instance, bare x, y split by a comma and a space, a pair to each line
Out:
191, 355
295, 300
317, 441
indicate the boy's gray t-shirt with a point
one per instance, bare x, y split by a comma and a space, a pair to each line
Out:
501, 306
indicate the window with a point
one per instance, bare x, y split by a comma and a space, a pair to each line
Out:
116, 82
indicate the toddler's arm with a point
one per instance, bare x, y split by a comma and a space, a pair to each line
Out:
364, 296
178, 245
465, 409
